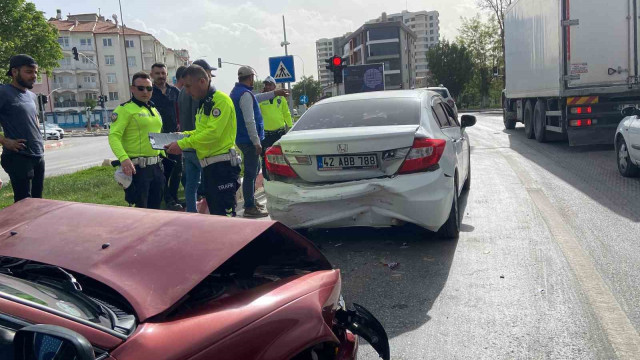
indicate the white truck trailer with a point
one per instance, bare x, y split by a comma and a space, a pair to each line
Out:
571, 66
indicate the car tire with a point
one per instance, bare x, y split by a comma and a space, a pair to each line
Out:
451, 228
467, 183
626, 167
539, 121
509, 124
529, 130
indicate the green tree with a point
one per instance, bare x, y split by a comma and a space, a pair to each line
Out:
24, 30
313, 90
451, 65
498, 9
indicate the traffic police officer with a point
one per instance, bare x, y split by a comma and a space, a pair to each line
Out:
129, 140
277, 119
213, 139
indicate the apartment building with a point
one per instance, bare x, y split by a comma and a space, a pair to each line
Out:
426, 26
108, 59
325, 49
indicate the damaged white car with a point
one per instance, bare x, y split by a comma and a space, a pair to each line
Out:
373, 159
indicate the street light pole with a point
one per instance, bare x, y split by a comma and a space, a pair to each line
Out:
285, 43
304, 84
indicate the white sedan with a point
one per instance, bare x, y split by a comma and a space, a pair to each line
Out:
627, 143
372, 159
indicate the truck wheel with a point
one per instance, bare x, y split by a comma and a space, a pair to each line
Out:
539, 121
509, 124
528, 120
626, 167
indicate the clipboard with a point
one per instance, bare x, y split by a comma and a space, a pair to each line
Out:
160, 140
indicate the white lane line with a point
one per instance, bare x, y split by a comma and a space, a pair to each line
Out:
621, 334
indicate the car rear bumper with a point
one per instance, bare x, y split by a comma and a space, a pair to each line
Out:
423, 199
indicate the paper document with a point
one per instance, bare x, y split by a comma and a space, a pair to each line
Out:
159, 140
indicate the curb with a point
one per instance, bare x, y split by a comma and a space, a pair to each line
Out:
54, 145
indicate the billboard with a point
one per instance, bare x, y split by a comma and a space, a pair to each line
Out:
363, 78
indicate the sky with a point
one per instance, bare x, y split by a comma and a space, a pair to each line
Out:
249, 32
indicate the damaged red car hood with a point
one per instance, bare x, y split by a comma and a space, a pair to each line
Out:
153, 258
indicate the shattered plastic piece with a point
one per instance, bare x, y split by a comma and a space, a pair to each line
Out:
338, 244
392, 265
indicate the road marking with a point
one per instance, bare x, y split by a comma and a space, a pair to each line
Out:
621, 334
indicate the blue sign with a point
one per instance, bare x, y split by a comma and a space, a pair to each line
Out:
281, 69
303, 99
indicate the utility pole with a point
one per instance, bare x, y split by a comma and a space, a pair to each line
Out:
285, 43
124, 40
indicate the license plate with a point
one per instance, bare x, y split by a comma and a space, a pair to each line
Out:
347, 162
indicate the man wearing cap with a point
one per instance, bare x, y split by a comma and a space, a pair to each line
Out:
277, 119
213, 140
187, 110
250, 134
22, 145
165, 98
131, 123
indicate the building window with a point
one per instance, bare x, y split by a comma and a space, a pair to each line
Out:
383, 33
430, 32
129, 43
88, 59
63, 41
131, 60
430, 25
113, 96
413, 26
109, 60
111, 78
431, 17
384, 49
65, 61
432, 38
85, 42
91, 96
107, 42
89, 79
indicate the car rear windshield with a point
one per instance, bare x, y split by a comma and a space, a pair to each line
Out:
359, 113
442, 92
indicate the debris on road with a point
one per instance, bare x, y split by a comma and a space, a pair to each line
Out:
392, 265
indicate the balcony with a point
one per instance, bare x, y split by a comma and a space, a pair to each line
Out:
82, 48
86, 66
65, 67
65, 86
68, 104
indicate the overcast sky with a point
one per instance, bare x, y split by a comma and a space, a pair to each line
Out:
249, 32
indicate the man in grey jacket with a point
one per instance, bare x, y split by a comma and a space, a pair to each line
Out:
187, 109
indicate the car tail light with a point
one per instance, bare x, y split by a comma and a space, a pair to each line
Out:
582, 122
277, 164
582, 110
424, 154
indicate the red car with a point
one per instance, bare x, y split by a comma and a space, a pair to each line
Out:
89, 281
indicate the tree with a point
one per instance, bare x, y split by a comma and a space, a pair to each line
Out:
90, 104
313, 90
258, 86
497, 8
24, 30
451, 65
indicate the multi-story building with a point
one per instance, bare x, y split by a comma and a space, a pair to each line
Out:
426, 25
107, 61
325, 49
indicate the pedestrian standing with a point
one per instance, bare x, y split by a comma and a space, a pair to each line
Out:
165, 98
250, 134
22, 145
213, 139
277, 119
179, 83
187, 109
131, 123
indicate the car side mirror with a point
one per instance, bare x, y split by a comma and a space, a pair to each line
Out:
629, 111
468, 120
43, 341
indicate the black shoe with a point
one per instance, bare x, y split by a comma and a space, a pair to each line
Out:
174, 206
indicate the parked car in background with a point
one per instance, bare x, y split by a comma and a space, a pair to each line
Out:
372, 159
51, 134
148, 284
444, 92
56, 127
627, 143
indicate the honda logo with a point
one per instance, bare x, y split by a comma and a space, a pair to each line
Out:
343, 148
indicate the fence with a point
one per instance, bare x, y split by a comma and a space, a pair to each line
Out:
67, 120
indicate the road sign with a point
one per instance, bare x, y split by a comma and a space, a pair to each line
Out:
303, 99
363, 78
282, 69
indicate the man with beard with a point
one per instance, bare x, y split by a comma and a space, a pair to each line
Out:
165, 98
22, 145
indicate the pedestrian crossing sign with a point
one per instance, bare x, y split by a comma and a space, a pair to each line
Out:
281, 69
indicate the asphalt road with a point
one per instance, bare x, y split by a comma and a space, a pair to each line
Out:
77, 153
546, 267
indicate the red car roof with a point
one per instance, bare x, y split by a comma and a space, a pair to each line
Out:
154, 257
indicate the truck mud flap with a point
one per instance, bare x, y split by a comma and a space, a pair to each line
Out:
362, 323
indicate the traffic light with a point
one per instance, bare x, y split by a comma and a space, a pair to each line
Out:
74, 50
336, 64
101, 100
